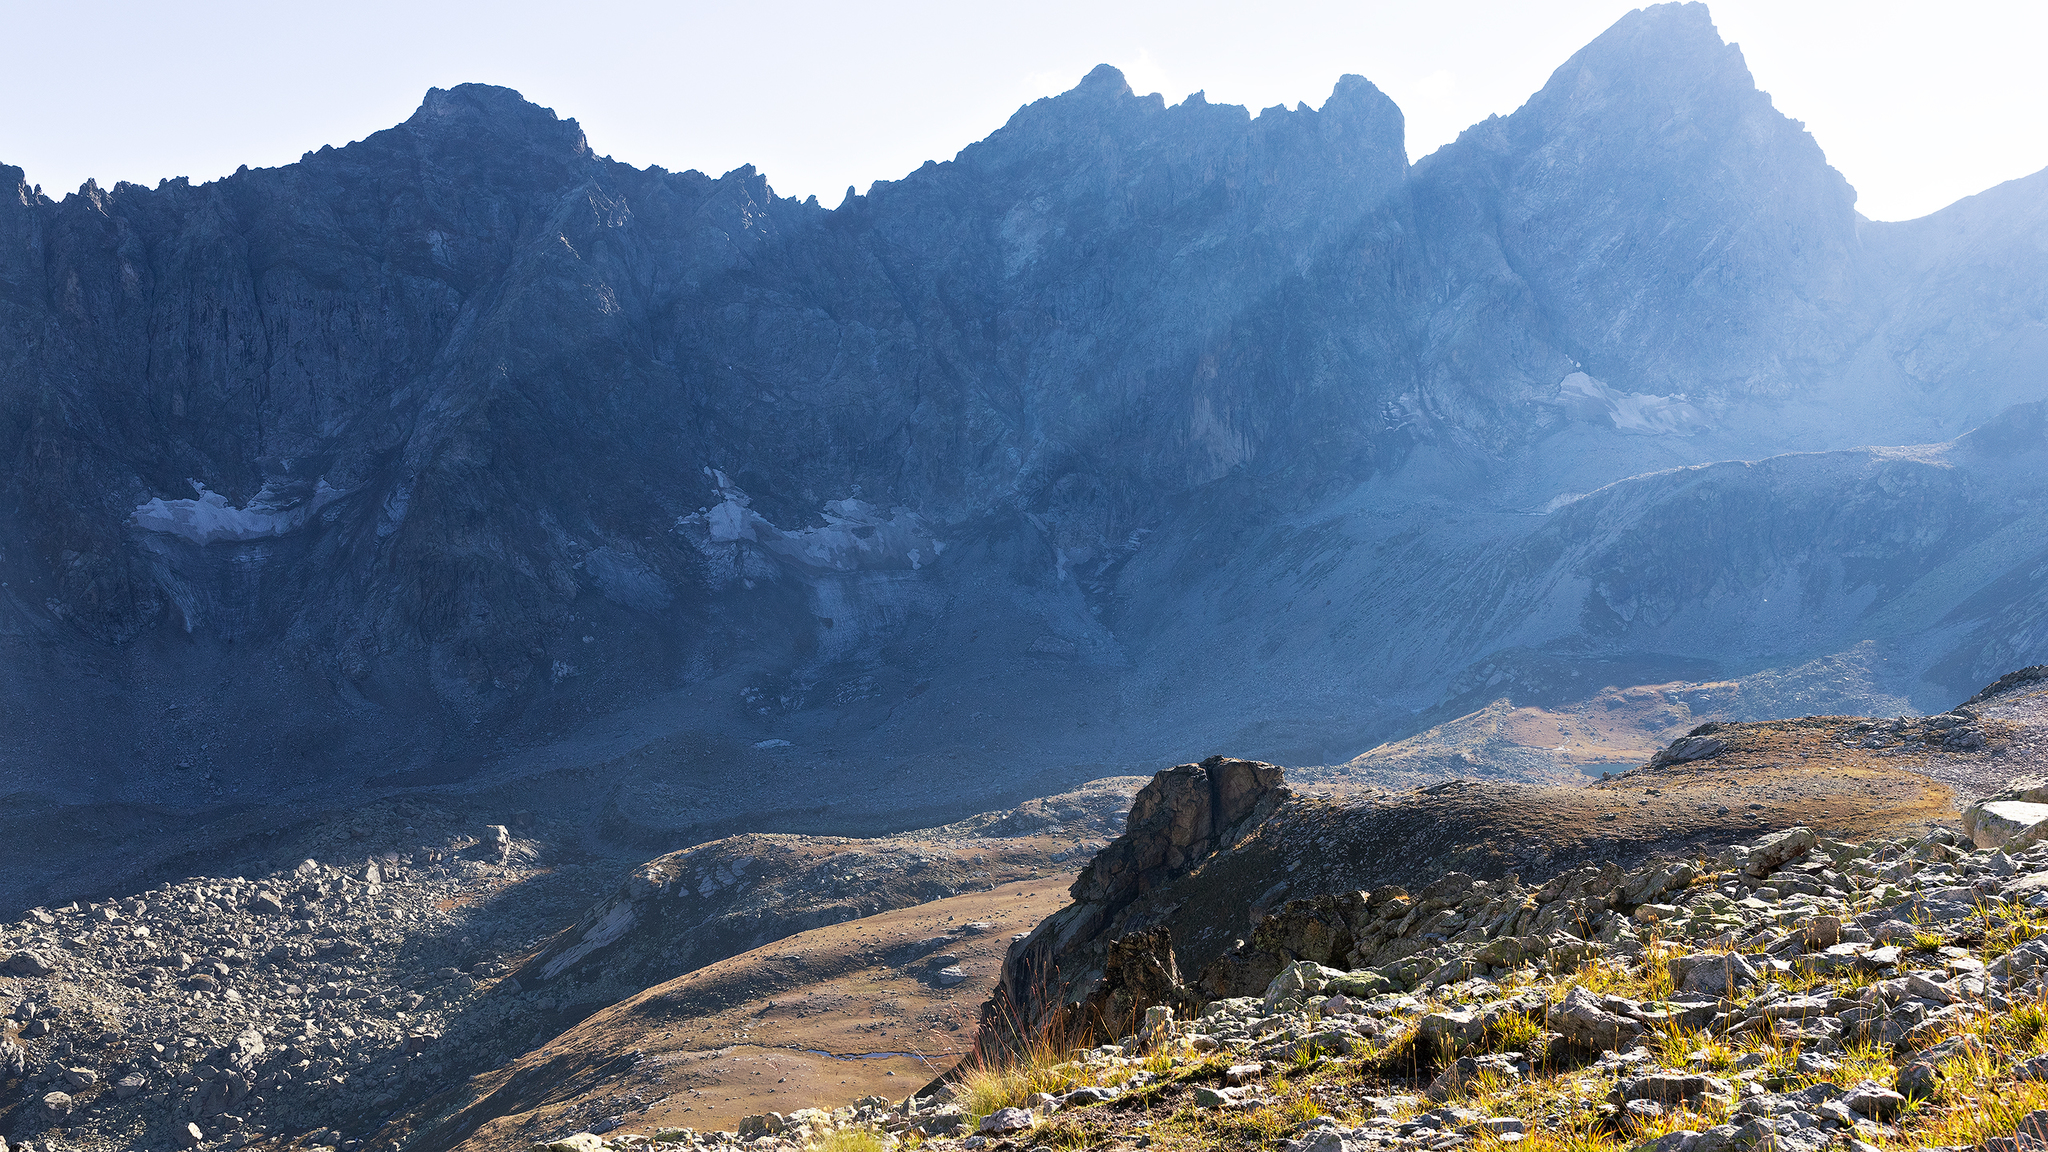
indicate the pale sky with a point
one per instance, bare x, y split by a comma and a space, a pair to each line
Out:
1918, 104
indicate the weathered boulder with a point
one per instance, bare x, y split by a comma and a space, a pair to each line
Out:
1649, 883
1003, 1121
1305, 978
1185, 815
1582, 1020
1138, 975
29, 963
1672, 1088
1777, 850
1175, 821
1693, 747
1711, 973
1873, 1100
1464, 1070
2012, 824
1920, 1078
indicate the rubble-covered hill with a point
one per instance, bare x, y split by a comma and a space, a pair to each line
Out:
463, 454
870, 1007
313, 1003
681, 911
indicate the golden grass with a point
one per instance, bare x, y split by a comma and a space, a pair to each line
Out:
985, 1087
2019, 927
1574, 1135
1976, 1098
1972, 1111
852, 1140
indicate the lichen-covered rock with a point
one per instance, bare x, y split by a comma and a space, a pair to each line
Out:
1712, 973
1581, 1019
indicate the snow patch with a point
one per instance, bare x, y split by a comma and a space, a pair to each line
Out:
771, 744
856, 534
1636, 412
208, 518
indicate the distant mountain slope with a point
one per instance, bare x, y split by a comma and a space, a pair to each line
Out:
463, 455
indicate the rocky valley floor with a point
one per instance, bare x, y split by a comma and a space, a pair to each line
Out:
315, 1003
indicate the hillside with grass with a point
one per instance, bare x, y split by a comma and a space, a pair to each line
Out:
1794, 990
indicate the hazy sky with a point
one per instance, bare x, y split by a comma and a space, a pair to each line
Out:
1918, 104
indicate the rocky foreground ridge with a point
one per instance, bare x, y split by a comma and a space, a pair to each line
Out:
1787, 991
425, 999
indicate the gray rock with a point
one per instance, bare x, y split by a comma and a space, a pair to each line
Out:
1673, 1088
2029, 1135
1873, 1100
1006, 1120
1712, 973
1775, 851
2011, 824
1582, 1020
1719, 1138
1205, 1097
1088, 1094
57, 1103
1692, 748
1823, 932
1459, 1073
1920, 1077
29, 963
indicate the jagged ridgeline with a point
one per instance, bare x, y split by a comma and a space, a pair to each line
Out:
463, 454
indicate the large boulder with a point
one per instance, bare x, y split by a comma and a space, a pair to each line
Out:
1305, 978
1711, 973
1138, 975
1777, 850
1582, 1020
1920, 1078
1692, 747
2014, 819
1672, 1088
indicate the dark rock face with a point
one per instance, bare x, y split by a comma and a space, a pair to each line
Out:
462, 453
1180, 818
1088, 951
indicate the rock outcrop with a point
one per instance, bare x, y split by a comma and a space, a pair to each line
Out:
1091, 953
1421, 889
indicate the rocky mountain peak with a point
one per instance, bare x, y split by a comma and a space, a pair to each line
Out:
1102, 81
486, 116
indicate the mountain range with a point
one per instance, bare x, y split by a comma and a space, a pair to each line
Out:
466, 458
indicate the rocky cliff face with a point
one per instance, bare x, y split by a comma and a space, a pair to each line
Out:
463, 453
